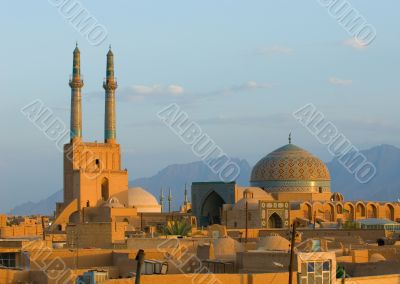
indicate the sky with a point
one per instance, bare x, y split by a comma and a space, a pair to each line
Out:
239, 69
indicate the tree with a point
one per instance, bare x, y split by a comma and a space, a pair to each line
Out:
179, 227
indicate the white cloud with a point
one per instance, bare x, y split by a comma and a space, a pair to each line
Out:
256, 85
140, 92
276, 49
157, 93
354, 43
340, 82
175, 90
146, 90
245, 87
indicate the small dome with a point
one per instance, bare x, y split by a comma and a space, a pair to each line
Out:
143, 200
274, 242
113, 202
252, 195
376, 257
291, 168
248, 190
255, 192
337, 196
252, 204
226, 248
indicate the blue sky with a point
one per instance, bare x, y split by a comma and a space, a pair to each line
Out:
238, 68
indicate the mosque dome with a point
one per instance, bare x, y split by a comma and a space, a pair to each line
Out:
292, 169
143, 200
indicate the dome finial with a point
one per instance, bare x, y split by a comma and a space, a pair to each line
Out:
290, 137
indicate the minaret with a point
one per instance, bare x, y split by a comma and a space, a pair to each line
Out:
109, 85
76, 85
169, 200
186, 200
186, 206
162, 200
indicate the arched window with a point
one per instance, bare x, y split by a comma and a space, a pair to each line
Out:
275, 221
105, 194
211, 209
360, 210
389, 210
371, 211
307, 211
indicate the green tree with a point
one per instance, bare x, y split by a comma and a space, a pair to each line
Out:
180, 228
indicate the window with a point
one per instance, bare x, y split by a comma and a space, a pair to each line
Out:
7, 259
310, 267
315, 272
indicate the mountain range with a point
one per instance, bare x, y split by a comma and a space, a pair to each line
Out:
384, 186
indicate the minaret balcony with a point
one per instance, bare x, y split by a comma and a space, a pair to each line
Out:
76, 83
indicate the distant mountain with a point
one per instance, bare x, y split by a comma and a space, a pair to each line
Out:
173, 176
176, 176
384, 186
45, 206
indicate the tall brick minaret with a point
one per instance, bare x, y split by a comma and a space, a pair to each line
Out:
76, 85
109, 85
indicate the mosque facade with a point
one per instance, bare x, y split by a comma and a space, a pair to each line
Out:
288, 185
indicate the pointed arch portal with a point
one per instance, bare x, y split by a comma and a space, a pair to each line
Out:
211, 209
275, 221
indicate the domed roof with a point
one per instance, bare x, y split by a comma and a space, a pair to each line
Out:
227, 248
252, 204
252, 195
291, 168
274, 242
376, 257
138, 197
254, 192
113, 202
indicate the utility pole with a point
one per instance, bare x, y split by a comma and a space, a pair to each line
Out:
141, 221
246, 225
315, 217
292, 243
43, 230
140, 259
